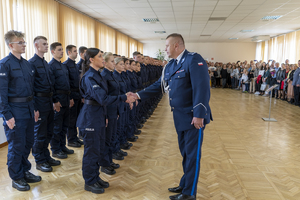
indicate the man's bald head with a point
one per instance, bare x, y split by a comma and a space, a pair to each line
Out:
176, 38
174, 45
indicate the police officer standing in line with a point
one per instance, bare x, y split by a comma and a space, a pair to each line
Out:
61, 101
82, 51
43, 88
73, 140
91, 119
17, 110
186, 80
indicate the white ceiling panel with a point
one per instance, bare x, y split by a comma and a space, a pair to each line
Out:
191, 17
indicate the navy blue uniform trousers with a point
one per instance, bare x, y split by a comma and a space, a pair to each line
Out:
43, 132
110, 136
190, 143
74, 112
61, 124
20, 141
121, 137
94, 143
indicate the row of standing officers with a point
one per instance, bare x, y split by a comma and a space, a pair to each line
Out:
43, 103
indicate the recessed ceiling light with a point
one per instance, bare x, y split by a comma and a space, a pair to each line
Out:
268, 18
233, 38
246, 31
217, 18
161, 32
151, 20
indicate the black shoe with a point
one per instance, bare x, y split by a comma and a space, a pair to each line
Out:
136, 137
103, 183
133, 139
139, 126
114, 165
60, 155
125, 146
74, 144
95, 188
130, 144
183, 197
176, 189
31, 178
108, 170
80, 137
116, 156
80, 142
67, 151
53, 162
123, 153
21, 185
137, 132
44, 167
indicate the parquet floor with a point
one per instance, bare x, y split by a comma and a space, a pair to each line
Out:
243, 157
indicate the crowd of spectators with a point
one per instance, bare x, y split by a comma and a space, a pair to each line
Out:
257, 77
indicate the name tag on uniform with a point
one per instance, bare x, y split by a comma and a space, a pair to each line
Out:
89, 129
95, 86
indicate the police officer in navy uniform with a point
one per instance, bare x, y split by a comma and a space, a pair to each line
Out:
92, 120
17, 110
73, 140
187, 81
82, 51
61, 101
43, 88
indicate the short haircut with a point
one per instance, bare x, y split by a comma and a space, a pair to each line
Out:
177, 36
115, 54
107, 55
38, 38
117, 60
69, 48
54, 45
10, 35
136, 53
82, 49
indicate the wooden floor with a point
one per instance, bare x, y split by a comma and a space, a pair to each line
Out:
243, 157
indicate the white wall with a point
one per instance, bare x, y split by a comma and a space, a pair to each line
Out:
2, 134
221, 52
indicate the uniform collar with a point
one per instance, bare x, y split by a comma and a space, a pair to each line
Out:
38, 57
70, 60
14, 57
56, 60
180, 56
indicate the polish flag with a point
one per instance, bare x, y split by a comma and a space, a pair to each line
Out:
200, 63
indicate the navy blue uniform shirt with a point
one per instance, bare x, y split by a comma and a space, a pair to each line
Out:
79, 65
134, 83
93, 87
123, 88
113, 89
61, 75
42, 83
16, 80
73, 78
125, 77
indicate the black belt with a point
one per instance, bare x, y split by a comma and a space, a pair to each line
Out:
91, 102
74, 89
20, 99
38, 94
63, 92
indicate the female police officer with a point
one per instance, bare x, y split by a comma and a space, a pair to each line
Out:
91, 120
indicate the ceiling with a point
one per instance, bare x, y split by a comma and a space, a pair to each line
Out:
191, 18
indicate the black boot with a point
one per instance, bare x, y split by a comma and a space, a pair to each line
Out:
21, 185
31, 178
95, 188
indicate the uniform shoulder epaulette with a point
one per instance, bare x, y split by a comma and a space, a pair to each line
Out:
191, 53
4, 60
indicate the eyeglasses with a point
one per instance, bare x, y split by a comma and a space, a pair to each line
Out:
19, 43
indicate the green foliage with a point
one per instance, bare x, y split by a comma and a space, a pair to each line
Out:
160, 54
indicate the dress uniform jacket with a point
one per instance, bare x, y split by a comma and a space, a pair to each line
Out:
73, 78
123, 90
189, 90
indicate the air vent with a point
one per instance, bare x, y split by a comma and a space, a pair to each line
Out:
269, 18
152, 20
233, 38
161, 32
205, 35
246, 31
217, 18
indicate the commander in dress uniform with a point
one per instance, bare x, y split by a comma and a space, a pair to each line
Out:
186, 80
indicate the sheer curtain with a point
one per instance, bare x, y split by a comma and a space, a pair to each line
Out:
281, 48
140, 47
132, 46
76, 29
122, 44
36, 18
105, 38
6, 24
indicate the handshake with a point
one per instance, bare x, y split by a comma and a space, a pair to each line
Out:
131, 97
